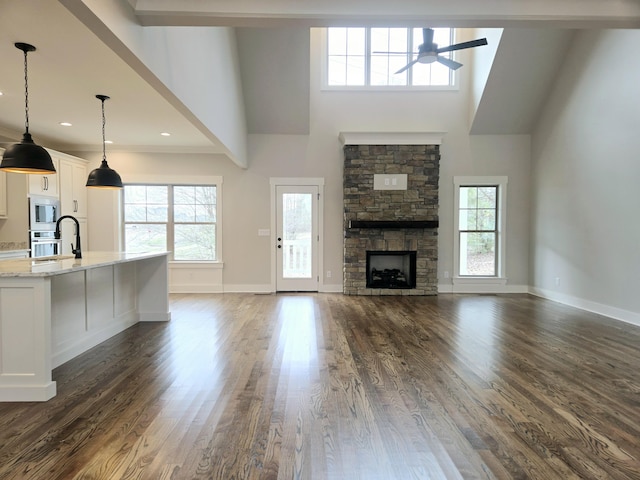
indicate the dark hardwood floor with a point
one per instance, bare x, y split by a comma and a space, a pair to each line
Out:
326, 386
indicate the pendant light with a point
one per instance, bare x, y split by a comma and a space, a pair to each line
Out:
26, 156
103, 176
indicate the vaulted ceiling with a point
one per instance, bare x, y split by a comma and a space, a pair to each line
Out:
74, 61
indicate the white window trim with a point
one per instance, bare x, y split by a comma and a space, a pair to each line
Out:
153, 179
324, 84
500, 278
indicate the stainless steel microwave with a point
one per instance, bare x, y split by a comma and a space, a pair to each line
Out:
43, 213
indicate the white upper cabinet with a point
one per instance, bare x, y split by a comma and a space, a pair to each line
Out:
73, 192
40, 184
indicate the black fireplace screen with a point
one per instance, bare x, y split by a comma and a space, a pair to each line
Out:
391, 269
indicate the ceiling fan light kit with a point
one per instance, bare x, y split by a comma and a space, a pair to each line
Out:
428, 51
26, 156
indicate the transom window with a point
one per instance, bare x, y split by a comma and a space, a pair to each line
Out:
362, 57
178, 218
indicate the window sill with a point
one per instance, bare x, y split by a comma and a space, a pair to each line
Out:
389, 88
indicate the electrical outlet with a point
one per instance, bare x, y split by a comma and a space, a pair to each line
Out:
446, 274
328, 273
557, 281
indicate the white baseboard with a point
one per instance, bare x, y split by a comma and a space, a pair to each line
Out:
332, 288
195, 288
593, 307
478, 288
266, 288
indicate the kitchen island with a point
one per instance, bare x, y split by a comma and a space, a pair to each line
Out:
51, 310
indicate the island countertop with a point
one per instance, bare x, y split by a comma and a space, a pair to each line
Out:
52, 310
48, 266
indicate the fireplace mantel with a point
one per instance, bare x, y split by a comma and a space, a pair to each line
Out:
388, 224
391, 138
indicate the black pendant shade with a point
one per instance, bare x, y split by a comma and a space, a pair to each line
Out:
26, 156
104, 176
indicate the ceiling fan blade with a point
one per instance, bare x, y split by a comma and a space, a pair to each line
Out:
447, 62
407, 66
427, 36
461, 46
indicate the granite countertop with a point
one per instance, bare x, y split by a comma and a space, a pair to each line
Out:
8, 247
60, 264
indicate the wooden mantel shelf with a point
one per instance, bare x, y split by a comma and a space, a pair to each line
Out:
391, 138
393, 224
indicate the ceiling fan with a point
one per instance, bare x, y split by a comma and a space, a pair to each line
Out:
429, 52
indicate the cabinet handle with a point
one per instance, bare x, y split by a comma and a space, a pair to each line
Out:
75, 206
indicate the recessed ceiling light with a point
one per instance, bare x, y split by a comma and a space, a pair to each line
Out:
65, 124
165, 134
1, 94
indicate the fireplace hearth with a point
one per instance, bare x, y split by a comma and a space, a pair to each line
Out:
391, 269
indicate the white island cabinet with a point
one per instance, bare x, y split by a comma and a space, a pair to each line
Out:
53, 310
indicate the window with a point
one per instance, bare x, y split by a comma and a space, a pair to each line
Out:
480, 221
369, 57
179, 218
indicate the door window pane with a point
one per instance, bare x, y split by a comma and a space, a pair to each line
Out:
296, 231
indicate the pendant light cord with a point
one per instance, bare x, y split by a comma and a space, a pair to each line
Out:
104, 148
26, 94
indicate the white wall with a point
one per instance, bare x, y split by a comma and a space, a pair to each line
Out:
482, 62
585, 170
246, 193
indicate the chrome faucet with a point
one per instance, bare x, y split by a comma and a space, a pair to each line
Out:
77, 251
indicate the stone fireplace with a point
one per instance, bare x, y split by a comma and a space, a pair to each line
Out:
391, 205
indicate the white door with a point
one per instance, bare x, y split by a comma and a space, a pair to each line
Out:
297, 238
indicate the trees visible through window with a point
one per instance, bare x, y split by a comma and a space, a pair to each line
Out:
179, 218
371, 56
478, 230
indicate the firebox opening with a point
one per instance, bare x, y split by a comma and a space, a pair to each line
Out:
391, 269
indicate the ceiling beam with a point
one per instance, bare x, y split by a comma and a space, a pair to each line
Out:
418, 13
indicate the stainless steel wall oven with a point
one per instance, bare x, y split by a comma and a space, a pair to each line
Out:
43, 215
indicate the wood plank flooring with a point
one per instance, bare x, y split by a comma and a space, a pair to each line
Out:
326, 386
